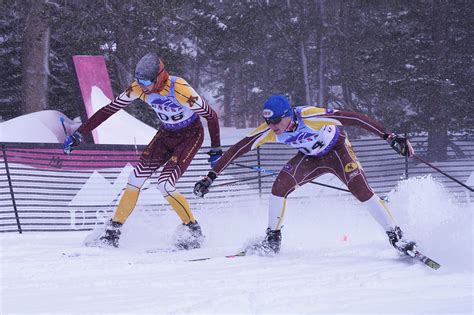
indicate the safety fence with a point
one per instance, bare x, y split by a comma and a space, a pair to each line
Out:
41, 189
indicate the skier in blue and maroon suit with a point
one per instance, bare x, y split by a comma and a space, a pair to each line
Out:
322, 148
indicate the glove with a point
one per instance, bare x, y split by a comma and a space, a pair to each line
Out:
400, 144
202, 187
214, 155
72, 141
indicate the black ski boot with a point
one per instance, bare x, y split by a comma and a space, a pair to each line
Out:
112, 234
270, 246
189, 236
272, 241
395, 237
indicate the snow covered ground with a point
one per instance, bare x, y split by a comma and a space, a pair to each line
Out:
334, 260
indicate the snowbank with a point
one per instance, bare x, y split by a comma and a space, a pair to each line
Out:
121, 128
43, 127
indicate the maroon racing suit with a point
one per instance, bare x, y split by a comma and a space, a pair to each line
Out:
323, 148
181, 135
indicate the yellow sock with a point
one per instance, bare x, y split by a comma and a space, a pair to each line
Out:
127, 204
181, 206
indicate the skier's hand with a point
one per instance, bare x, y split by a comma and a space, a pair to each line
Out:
214, 155
400, 144
202, 187
72, 141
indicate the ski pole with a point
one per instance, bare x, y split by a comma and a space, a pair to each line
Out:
259, 169
242, 180
440, 171
64, 126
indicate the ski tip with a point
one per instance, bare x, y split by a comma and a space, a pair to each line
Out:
426, 260
433, 264
239, 254
199, 259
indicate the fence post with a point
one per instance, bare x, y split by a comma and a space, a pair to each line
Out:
406, 162
10, 185
259, 173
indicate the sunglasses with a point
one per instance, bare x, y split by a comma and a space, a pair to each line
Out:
145, 83
273, 121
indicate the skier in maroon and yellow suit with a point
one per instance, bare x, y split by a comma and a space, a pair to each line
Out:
323, 148
180, 137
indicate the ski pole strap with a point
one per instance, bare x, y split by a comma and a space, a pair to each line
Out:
416, 156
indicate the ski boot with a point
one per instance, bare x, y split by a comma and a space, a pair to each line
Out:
112, 234
395, 237
270, 246
189, 236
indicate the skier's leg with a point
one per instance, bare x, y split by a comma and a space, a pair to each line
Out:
349, 169
183, 153
189, 234
177, 200
276, 212
129, 198
284, 184
379, 210
151, 159
154, 155
289, 178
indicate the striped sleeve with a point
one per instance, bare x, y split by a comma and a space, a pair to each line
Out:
187, 96
258, 137
357, 120
121, 101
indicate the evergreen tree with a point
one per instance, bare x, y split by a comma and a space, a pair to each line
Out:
408, 64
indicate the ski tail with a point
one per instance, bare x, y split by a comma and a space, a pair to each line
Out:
239, 254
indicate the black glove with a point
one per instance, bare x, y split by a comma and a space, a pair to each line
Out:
202, 187
214, 155
400, 144
72, 141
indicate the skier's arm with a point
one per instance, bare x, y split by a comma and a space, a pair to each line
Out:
258, 137
359, 120
255, 139
121, 101
238, 149
187, 96
399, 143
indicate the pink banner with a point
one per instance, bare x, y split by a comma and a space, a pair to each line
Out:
55, 159
92, 72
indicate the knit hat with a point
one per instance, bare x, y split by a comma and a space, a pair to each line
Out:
148, 67
276, 107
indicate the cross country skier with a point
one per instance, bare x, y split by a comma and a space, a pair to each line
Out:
323, 148
179, 138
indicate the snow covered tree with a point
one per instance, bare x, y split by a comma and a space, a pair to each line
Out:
408, 64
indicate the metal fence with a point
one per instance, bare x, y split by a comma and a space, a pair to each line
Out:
41, 189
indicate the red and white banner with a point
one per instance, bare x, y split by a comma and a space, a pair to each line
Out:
92, 74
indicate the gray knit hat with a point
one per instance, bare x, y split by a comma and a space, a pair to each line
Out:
148, 67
